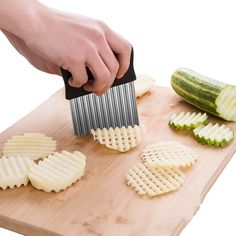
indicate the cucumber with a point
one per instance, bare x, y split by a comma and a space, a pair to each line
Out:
187, 120
214, 135
212, 96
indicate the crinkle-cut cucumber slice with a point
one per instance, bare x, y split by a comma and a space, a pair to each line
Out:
187, 120
214, 134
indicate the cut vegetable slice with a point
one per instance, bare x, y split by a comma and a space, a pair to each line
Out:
212, 96
13, 171
215, 135
187, 120
168, 154
33, 145
120, 139
143, 84
58, 171
146, 180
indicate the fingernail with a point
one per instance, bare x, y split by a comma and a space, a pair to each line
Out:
99, 94
70, 82
120, 76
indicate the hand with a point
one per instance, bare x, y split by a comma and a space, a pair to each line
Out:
75, 42
54, 39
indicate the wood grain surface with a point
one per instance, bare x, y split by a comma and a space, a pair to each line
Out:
101, 204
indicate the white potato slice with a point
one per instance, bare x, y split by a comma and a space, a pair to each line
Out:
57, 171
33, 145
13, 171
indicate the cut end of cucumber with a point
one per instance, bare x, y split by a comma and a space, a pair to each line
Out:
226, 103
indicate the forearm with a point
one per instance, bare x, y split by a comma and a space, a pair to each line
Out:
21, 17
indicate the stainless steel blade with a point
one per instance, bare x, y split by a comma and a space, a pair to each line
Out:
115, 108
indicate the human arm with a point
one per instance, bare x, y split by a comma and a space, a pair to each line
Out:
50, 39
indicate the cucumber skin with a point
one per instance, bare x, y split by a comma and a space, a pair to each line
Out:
214, 143
184, 127
205, 95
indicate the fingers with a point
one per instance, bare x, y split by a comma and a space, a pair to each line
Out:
101, 74
111, 63
103, 91
122, 48
79, 75
106, 54
104, 68
124, 61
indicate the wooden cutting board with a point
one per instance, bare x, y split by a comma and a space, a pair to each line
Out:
101, 204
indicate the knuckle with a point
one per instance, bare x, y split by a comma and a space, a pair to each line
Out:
75, 83
97, 35
75, 58
126, 46
101, 24
83, 79
90, 51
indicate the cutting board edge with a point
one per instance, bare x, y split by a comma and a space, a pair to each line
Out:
24, 228
184, 221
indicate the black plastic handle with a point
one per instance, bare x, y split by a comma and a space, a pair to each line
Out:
72, 92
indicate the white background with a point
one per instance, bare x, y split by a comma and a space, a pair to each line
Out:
166, 35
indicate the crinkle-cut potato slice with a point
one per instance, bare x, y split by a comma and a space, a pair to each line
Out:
120, 139
146, 180
14, 171
143, 84
57, 171
33, 145
168, 154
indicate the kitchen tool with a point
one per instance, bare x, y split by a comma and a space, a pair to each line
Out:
115, 108
101, 203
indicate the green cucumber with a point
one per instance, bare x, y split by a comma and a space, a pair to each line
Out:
212, 96
214, 135
187, 120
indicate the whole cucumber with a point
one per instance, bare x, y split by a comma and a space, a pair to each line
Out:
212, 96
